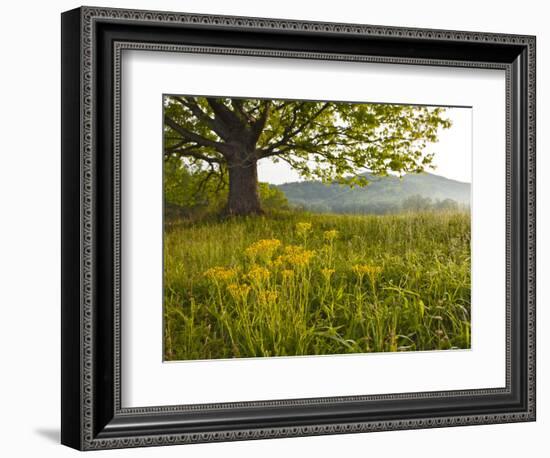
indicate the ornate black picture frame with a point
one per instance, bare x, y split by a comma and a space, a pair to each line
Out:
92, 415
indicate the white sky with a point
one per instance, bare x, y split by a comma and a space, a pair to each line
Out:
453, 153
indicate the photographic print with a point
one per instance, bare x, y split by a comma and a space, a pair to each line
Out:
351, 207
299, 227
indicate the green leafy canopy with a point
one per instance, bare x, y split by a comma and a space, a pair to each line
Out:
328, 141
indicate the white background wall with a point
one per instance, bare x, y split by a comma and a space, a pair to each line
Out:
30, 229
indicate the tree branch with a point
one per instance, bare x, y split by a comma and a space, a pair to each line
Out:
224, 113
197, 111
191, 136
238, 104
290, 131
192, 152
258, 125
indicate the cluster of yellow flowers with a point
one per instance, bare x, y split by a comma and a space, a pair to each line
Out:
238, 291
267, 296
258, 274
266, 254
302, 229
331, 235
263, 249
287, 274
366, 269
222, 274
295, 255
327, 273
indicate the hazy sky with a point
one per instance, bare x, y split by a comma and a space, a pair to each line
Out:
453, 153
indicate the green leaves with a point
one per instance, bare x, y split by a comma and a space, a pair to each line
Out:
330, 141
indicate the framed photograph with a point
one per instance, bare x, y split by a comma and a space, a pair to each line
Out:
276, 228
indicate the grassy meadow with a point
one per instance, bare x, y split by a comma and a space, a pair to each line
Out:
294, 283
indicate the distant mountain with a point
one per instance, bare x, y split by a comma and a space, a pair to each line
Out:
382, 195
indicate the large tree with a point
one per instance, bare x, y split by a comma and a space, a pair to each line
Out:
225, 138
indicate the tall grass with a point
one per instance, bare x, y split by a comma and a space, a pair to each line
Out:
309, 284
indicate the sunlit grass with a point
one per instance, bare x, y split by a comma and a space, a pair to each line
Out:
310, 284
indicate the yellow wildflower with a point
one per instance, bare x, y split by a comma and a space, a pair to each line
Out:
238, 291
303, 229
263, 249
331, 235
287, 274
297, 255
267, 296
366, 269
258, 274
222, 274
327, 273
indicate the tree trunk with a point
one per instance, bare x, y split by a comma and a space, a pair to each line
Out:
244, 198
